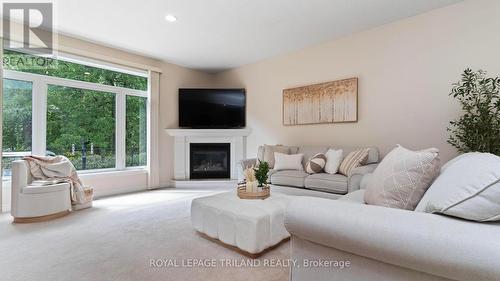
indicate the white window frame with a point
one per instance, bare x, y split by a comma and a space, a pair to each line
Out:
40, 85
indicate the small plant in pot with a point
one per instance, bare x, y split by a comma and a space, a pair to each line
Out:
261, 173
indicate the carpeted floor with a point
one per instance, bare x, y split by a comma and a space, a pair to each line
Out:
118, 238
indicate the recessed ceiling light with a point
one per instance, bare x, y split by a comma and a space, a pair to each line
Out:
170, 18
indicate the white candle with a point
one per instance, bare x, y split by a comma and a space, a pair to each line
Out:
249, 186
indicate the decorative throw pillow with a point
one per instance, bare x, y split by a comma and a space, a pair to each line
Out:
333, 159
316, 164
266, 153
468, 187
353, 160
288, 162
402, 177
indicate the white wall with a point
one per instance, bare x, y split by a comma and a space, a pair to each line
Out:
405, 70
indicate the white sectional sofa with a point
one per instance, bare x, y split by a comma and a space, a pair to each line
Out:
294, 182
385, 244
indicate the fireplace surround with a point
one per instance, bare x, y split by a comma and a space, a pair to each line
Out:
183, 138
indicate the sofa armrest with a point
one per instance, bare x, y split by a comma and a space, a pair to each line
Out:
357, 174
21, 175
365, 181
247, 163
242, 165
435, 244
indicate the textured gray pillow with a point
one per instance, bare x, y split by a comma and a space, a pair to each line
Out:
468, 187
266, 153
402, 178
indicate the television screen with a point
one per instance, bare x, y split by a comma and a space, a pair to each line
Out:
212, 108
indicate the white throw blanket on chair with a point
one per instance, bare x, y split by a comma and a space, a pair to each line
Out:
57, 167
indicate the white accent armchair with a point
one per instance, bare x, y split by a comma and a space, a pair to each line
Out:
36, 203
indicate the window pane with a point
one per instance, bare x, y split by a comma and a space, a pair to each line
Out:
7, 164
81, 126
136, 130
63, 69
17, 118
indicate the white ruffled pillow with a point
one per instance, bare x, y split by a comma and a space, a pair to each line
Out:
333, 159
288, 161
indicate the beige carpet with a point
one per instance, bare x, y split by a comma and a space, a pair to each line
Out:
116, 240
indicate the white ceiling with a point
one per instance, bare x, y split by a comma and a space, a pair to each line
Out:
220, 34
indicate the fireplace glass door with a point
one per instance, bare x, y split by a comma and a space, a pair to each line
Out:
209, 160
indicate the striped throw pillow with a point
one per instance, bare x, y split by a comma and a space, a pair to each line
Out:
316, 164
353, 160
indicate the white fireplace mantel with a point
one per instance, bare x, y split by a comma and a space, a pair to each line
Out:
184, 137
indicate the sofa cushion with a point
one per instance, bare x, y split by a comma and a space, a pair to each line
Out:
289, 178
468, 188
335, 183
288, 162
402, 178
35, 189
333, 159
310, 151
271, 172
354, 160
354, 197
373, 153
293, 149
316, 164
365, 180
269, 151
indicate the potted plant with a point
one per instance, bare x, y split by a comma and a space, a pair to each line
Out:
478, 129
261, 173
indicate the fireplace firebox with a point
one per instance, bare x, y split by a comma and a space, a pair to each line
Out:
209, 160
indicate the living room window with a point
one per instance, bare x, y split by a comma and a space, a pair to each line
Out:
86, 137
136, 130
95, 116
17, 121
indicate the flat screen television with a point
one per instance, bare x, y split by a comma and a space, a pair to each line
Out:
212, 108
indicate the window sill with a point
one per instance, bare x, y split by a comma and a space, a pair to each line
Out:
105, 173
112, 172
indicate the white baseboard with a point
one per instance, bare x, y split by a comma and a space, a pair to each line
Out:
5, 208
201, 183
104, 192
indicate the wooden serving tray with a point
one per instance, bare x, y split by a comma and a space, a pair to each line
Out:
243, 194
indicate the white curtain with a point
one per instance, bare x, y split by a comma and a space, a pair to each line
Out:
153, 134
1, 122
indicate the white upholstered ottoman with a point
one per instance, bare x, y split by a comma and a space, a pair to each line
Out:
250, 225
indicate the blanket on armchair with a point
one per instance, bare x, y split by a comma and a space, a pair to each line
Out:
54, 168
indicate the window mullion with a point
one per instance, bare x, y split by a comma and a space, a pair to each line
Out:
39, 119
120, 130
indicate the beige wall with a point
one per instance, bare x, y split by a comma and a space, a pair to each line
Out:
173, 78
405, 72
100, 52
